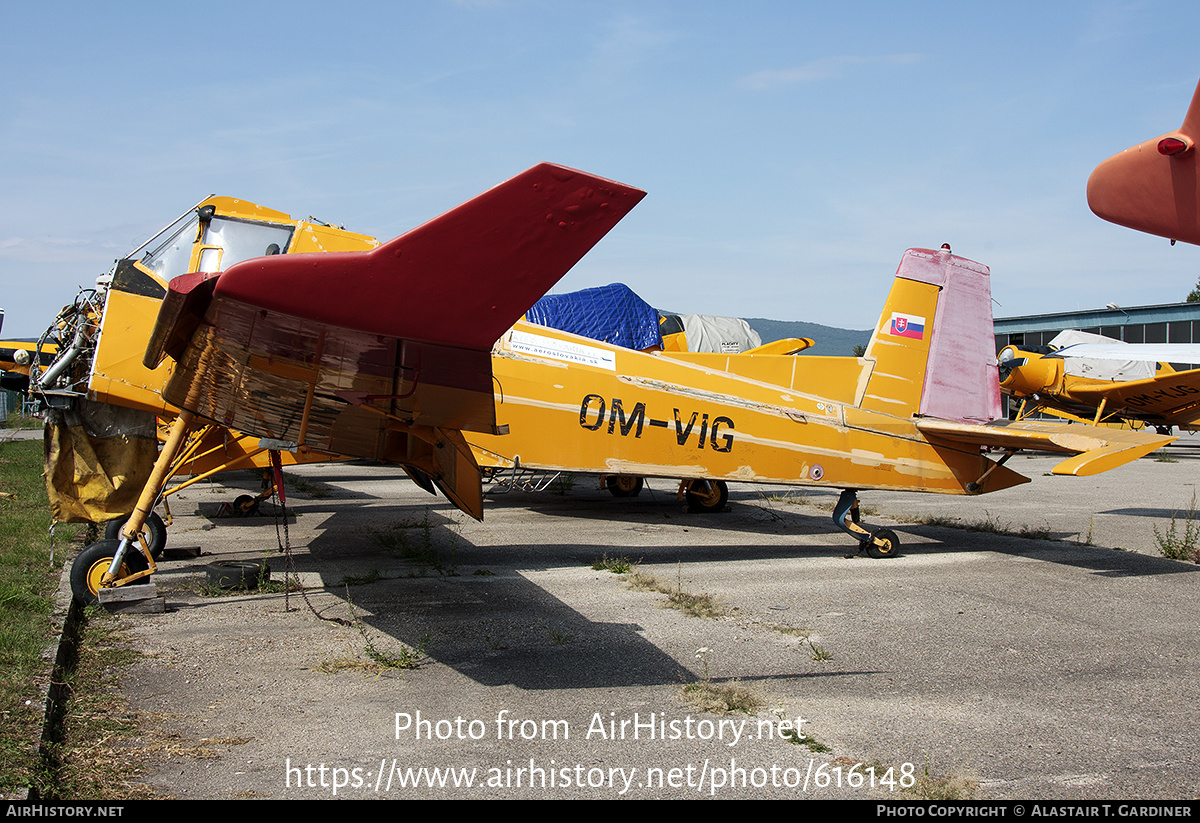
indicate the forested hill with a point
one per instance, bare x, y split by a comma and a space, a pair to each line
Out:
829, 341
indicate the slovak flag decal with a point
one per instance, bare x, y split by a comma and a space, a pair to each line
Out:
907, 325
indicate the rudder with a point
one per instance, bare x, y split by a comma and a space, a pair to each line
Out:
934, 344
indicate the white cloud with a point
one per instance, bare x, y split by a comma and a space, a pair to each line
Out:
822, 69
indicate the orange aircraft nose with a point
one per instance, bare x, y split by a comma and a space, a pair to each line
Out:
1153, 186
1025, 373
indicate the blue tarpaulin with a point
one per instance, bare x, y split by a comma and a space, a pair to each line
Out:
612, 314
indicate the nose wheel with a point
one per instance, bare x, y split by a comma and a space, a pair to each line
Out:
878, 543
93, 563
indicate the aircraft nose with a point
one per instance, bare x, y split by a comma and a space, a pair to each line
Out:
1007, 361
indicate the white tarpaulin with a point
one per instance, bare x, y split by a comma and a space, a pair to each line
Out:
721, 335
1102, 358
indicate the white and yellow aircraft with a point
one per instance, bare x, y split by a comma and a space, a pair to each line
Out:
413, 352
1093, 379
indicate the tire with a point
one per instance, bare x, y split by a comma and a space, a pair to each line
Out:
624, 485
707, 496
91, 564
156, 532
245, 505
238, 574
890, 550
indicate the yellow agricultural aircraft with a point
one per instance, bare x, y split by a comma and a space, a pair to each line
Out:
413, 352
1093, 379
102, 403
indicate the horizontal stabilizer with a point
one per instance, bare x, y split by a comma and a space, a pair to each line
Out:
1096, 449
789, 345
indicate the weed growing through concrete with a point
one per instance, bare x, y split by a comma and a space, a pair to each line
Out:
362, 579
1181, 544
413, 540
989, 525
378, 659
693, 605
943, 787
799, 738
616, 565
312, 488
265, 584
722, 698
719, 698
559, 638
818, 652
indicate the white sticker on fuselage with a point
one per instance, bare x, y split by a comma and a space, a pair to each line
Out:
539, 346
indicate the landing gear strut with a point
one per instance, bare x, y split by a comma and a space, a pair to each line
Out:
879, 543
110, 563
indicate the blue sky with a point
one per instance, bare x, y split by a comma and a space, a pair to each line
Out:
791, 150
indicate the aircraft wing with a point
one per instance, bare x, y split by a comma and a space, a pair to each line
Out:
1152, 352
1096, 449
1173, 396
386, 353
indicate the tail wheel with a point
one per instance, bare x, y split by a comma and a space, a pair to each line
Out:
707, 496
624, 485
890, 547
89, 567
156, 532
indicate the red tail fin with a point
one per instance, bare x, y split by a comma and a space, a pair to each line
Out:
460, 279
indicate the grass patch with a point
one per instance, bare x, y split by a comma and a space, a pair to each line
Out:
30, 563
100, 740
21, 421
559, 638
263, 585
378, 660
266, 587
822, 504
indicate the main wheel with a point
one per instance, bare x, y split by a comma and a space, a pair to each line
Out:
891, 546
245, 505
623, 485
90, 565
156, 532
707, 496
